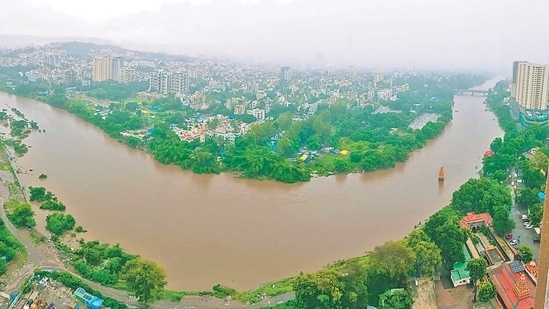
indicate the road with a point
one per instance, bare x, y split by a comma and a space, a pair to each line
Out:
526, 236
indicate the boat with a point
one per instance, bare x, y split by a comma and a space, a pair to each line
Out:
441, 174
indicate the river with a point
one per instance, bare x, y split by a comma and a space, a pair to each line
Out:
210, 229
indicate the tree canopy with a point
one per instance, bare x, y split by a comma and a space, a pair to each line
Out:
145, 278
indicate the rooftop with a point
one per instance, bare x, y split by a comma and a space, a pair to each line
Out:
472, 218
514, 284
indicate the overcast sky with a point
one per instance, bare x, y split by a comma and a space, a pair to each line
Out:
468, 34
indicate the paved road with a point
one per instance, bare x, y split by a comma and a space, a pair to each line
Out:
526, 236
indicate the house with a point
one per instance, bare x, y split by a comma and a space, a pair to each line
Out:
516, 287
475, 221
89, 300
459, 274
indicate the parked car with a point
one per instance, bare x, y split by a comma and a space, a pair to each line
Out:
513, 242
529, 226
509, 236
537, 239
525, 223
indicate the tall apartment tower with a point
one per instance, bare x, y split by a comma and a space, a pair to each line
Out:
542, 289
377, 77
117, 65
169, 82
285, 74
530, 85
102, 69
180, 83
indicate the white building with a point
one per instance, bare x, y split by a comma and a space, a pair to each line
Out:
530, 85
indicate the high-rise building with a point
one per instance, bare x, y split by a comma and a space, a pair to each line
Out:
530, 85
285, 74
377, 77
70, 77
117, 65
102, 69
128, 75
180, 83
169, 82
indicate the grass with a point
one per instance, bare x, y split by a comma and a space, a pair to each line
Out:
269, 289
37, 238
6, 166
176, 296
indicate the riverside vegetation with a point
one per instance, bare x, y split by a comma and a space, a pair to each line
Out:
356, 282
373, 136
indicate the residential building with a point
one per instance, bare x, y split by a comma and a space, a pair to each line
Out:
128, 75
475, 221
116, 66
530, 85
259, 114
377, 77
285, 74
102, 69
169, 82
70, 77
459, 274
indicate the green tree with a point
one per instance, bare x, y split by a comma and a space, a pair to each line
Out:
502, 223
536, 214
39, 194
428, 258
482, 195
145, 278
3, 267
526, 253
389, 266
486, 291
396, 299
57, 223
21, 214
477, 270
444, 229
319, 290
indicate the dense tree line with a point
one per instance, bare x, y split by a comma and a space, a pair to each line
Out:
9, 247
110, 266
268, 151
379, 278
486, 195
509, 153
113, 90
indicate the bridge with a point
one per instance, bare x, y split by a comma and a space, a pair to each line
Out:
471, 92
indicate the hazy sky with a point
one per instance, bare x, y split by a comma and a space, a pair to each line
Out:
469, 34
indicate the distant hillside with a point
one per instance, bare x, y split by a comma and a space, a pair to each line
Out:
18, 41
83, 48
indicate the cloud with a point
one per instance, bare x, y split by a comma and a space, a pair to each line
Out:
436, 33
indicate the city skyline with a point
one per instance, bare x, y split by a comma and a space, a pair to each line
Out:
419, 34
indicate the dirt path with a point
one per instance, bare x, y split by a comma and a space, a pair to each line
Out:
424, 294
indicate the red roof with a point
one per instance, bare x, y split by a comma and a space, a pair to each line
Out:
488, 153
471, 218
505, 280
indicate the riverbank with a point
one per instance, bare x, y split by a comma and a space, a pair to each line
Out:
203, 215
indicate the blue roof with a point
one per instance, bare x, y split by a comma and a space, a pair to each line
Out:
541, 195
